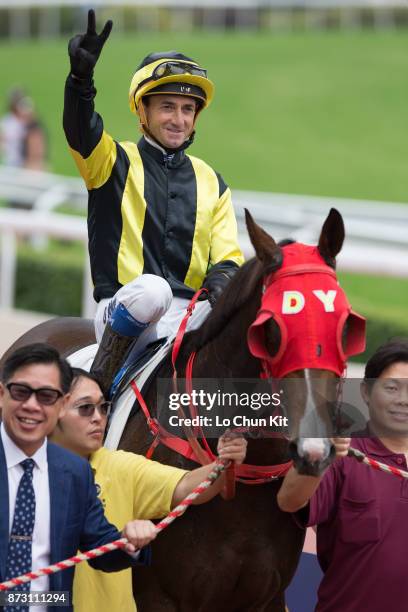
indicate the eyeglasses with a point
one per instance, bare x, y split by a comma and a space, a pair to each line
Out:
44, 395
87, 410
171, 68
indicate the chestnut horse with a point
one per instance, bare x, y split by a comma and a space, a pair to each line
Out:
240, 556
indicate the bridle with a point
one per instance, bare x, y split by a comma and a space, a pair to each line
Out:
202, 453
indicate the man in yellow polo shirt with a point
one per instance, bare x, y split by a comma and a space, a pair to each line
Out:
129, 486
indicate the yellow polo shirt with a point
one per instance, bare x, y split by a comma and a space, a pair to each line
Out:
129, 487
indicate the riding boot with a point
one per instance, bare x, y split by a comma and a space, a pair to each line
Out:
110, 356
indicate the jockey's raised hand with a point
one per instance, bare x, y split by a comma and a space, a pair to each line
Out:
85, 49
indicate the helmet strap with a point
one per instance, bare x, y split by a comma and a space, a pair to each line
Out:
198, 111
142, 117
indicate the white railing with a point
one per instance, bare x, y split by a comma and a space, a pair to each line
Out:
282, 4
41, 190
376, 232
376, 243
265, 14
14, 223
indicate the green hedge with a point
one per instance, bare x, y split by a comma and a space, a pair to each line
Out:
378, 332
49, 282
52, 283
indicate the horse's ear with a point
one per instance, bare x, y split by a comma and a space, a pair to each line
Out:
332, 236
266, 249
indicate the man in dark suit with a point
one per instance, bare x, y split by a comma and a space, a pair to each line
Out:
49, 507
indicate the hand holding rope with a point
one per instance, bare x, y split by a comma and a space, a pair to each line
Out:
219, 467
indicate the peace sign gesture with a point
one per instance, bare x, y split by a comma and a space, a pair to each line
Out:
84, 49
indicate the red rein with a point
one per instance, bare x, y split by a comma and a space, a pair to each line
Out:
191, 448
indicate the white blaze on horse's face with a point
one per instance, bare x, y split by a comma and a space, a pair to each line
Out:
293, 302
312, 424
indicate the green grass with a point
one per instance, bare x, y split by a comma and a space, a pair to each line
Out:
313, 113
382, 300
378, 297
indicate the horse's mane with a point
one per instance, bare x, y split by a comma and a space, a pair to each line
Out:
237, 293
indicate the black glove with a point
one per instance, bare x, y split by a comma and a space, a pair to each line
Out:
84, 49
216, 281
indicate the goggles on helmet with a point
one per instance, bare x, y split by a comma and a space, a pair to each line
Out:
172, 68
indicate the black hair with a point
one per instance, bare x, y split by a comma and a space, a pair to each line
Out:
37, 353
391, 352
78, 373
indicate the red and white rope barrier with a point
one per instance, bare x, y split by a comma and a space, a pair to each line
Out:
353, 452
178, 511
117, 544
187, 501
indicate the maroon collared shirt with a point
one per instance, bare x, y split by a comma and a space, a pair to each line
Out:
362, 533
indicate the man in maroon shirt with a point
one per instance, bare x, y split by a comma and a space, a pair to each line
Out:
361, 513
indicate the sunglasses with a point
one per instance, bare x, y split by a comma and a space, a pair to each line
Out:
44, 395
176, 68
87, 410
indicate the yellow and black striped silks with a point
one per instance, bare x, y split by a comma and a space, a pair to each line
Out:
148, 212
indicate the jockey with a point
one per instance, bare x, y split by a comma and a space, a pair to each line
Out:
161, 222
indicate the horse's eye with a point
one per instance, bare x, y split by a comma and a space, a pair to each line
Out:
273, 337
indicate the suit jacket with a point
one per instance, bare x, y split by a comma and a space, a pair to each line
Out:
77, 518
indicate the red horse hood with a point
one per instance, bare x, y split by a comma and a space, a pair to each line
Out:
317, 324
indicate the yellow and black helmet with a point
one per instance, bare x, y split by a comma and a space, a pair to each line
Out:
173, 73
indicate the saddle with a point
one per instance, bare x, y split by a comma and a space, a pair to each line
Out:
142, 371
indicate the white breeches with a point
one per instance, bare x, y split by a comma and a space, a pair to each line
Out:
149, 299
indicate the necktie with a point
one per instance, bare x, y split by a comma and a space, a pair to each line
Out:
19, 549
